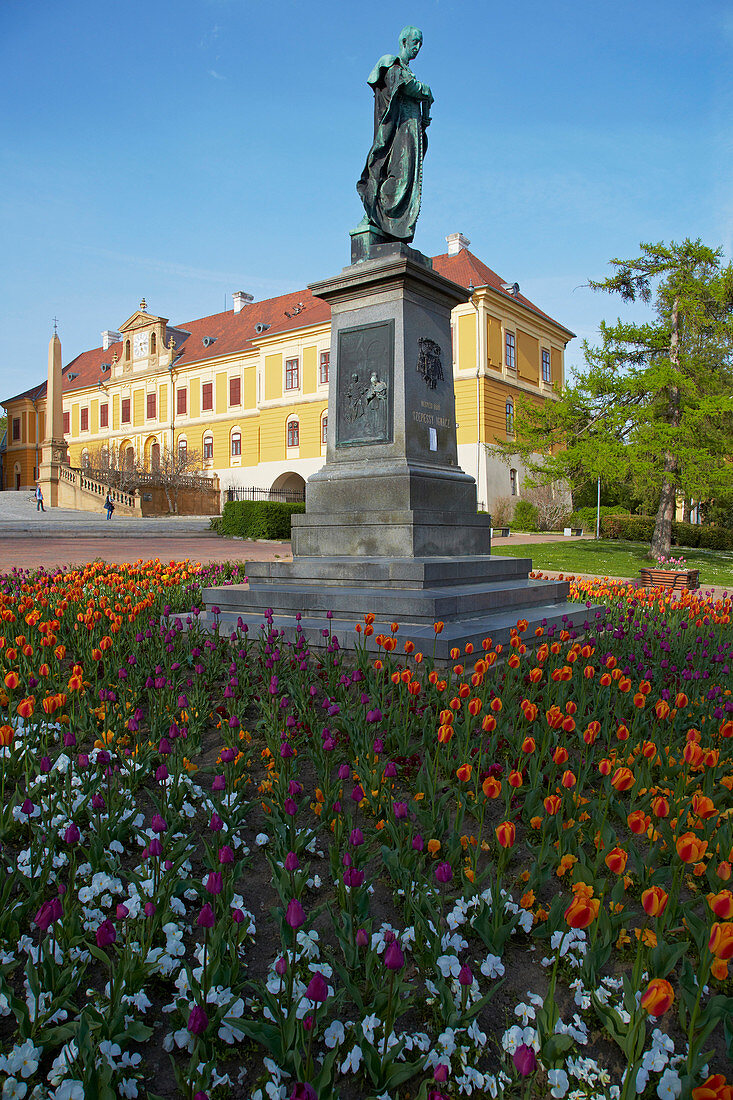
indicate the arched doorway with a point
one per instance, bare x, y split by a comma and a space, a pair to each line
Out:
152, 448
289, 486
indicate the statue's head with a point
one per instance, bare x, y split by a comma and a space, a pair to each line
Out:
410, 41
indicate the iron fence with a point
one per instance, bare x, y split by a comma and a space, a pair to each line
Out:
284, 496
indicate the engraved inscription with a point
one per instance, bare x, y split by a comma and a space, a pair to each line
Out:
428, 362
364, 384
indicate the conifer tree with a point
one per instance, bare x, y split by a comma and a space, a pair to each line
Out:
655, 399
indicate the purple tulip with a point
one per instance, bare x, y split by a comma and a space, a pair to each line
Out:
69, 739
27, 808
205, 919
121, 911
219, 783
390, 771
393, 957
291, 862
216, 824
303, 1091
361, 938
295, 915
400, 810
226, 855
281, 966
344, 771
465, 977
418, 843
198, 1021
158, 825
149, 908
525, 1060
214, 882
290, 806
444, 872
358, 793
106, 934
317, 990
72, 834
43, 918
155, 848
45, 765
356, 837
440, 1073
353, 877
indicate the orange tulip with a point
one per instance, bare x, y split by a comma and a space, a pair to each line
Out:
505, 834
721, 941
660, 807
690, 848
438, 627
464, 772
528, 745
495, 704
638, 822
654, 901
488, 723
491, 787
714, 1088
552, 804
11, 680
6, 736
692, 754
582, 911
658, 997
703, 806
721, 904
616, 860
623, 779
560, 755
568, 780
474, 707
26, 707
724, 871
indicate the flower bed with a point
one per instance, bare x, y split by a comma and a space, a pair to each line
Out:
234, 868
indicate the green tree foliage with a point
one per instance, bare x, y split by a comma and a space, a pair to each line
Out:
654, 402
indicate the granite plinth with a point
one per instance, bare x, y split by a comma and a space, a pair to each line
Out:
475, 597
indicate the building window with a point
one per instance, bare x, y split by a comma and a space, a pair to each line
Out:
236, 444
207, 397
125, 410
182, 450
16, 426
104, 416
292, 374
235, 391
293, 433
150, 408
85, 420
324, 430
208, 447
181, 401
513, 482
546, 375
510, 418
325, 364
152, 343
66, 428
127, 349
511, 351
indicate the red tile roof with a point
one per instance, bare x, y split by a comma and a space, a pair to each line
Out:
234, 333
467, 270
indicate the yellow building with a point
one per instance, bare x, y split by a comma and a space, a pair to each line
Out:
248, 389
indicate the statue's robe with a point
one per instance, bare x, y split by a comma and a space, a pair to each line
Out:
391, 184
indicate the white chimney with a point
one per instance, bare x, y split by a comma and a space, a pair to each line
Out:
110, 337
241, 299
456, 241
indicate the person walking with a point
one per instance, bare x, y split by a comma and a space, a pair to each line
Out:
109, 505
39, 499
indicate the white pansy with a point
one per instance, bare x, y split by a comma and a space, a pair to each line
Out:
525, 1012
352, 1061
14, 1090
492, 967
69, 1090
449, 965
334, 1034
261, 839
559, 1081
669, 1086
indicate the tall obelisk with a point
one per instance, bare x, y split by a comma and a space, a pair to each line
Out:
54, 452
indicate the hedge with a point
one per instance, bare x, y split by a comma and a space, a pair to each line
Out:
641, 529
586, 517
525, 516
258, 519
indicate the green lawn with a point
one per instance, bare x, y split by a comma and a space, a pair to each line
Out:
616, 558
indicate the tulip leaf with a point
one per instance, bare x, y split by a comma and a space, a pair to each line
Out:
554, 1047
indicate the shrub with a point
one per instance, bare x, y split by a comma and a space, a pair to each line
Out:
551, 505
501, 513
641, 529
525, 515
586, 517
258, 519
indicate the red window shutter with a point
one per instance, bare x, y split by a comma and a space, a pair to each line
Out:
235, 391
151, 406
181, 401
104, 416
125, 410
207, 397
67, 424
85, 420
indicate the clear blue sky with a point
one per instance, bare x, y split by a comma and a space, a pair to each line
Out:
183, 150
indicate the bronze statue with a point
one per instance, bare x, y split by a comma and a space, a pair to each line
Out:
391, 183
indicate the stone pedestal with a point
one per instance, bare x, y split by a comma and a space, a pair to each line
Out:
390, 526
54, 455
391, 484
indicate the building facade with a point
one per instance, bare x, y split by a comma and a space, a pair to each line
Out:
247, 389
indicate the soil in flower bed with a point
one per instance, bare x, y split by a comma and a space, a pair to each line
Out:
235, 868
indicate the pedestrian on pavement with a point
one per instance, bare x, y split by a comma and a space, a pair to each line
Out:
109, 505
39, 499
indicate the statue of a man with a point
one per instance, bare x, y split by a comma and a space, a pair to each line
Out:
391, 183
